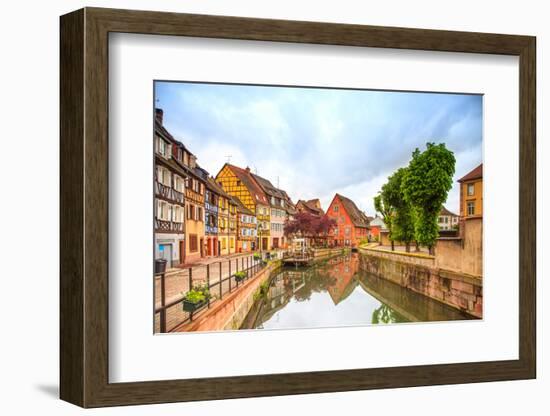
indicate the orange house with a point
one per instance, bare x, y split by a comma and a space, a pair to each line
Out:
352, 225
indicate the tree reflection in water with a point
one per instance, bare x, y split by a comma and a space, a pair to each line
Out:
386, 315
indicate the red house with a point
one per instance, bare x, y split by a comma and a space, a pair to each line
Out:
352, 225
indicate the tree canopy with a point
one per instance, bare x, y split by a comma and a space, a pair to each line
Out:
425, 185
309, 225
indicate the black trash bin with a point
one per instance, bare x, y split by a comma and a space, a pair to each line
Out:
160, 265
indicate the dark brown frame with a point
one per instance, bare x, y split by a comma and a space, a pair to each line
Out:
84, 207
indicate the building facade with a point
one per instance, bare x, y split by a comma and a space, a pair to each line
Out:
352, 225
239, 183
471, 193
376, 225
447, 220
169, 185
211, 201
277, 212
227, 220
246, 228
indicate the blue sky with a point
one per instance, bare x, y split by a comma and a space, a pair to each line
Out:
317, 142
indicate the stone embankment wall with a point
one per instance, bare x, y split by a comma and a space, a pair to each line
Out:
326, 252
465, 253
420, 273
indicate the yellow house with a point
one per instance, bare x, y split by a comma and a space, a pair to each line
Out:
227, 226
239, 183
471, 193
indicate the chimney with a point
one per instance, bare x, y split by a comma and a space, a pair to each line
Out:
159, 115
248, 169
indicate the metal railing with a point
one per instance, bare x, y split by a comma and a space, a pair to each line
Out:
218, 277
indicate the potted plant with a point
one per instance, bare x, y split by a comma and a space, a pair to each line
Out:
257, 256
195, 298
240, 276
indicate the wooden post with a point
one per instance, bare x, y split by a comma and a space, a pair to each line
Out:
190, 278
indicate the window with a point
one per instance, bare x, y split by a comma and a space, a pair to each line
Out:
224, 244
199, 214
193, 243
335, 208
163, 147
232, 242
471, 207
440, 219
471, 189
348, 231
178, 214
178, 183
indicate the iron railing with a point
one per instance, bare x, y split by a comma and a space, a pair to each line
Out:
219, 278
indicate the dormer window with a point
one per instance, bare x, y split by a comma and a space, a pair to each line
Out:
163, 147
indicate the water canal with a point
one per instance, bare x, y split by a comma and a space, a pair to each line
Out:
336, 292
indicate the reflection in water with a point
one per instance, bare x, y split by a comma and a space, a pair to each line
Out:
336, 293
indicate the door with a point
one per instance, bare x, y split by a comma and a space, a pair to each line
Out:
182, 252
166, 253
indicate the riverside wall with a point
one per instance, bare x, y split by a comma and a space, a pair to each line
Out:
423, 274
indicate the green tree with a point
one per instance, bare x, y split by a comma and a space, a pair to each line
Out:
403, 218
382, 206
426, 183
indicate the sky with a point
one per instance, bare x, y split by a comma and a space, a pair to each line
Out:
315, 142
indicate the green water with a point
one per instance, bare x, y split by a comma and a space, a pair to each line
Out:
336, 293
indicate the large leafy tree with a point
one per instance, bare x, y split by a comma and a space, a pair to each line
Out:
425, 185
403, 218
387, 211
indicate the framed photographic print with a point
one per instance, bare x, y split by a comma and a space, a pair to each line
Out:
255, 207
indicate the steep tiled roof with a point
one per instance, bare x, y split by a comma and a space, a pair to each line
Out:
476, 173
240, 207
445, 211
270, 190
313, 206
246, 178
377, 222
358, 217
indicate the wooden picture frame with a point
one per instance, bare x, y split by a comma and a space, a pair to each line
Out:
84, 207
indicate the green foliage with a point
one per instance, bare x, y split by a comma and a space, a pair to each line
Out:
240, 275
257, 256
425, 185
197, 295
402, 223
262, 291
386, 210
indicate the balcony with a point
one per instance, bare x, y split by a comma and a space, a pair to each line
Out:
163, 190
178, 196
210, 229
168, 226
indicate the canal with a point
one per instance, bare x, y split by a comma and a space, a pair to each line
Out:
336, 292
